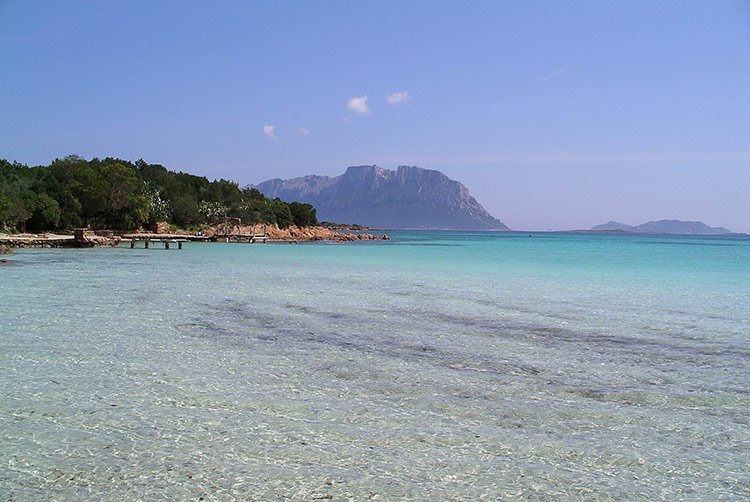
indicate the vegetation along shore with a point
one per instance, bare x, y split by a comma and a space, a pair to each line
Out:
41, 206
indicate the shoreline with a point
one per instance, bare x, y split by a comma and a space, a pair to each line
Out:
53, 240
107, 238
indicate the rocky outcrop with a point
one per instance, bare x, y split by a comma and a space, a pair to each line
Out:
3, 251
410, 197
87, 239
299, 234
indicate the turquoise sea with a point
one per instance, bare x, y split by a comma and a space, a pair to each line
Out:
435, 366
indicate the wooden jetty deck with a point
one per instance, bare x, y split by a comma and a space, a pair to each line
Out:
153, 240
168, 239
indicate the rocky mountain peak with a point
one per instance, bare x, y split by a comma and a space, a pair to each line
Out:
409, 197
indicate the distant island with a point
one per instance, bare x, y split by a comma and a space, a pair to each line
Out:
409, 197
663, 227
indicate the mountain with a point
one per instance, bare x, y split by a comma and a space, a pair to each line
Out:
665, 227
410, 197
614, 225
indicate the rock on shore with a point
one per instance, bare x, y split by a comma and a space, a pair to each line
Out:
46, 240
5, 250
305, 234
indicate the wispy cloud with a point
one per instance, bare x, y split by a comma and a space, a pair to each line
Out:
303, 131
270, 132
358, 104
553, 74
396, 98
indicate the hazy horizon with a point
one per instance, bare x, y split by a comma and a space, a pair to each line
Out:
555, 116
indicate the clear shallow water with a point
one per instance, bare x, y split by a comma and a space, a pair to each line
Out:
435, 366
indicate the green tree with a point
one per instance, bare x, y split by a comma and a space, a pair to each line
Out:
85, 183
116, 193
21, 209
121, 185
303, 215
45, 215
5, 204
282, 214
70, 207
127, 206
185, 211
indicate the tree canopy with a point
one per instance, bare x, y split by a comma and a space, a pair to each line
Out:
119, 194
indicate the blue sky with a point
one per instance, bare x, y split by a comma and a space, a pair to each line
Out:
556, 114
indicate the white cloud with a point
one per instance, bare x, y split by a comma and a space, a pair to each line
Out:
270, 132
303, 131
398, 97
358, 104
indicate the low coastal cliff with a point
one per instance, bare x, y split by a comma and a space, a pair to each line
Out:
294, 233
48, 240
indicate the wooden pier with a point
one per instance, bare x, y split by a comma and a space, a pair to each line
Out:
169, 239
152, 240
